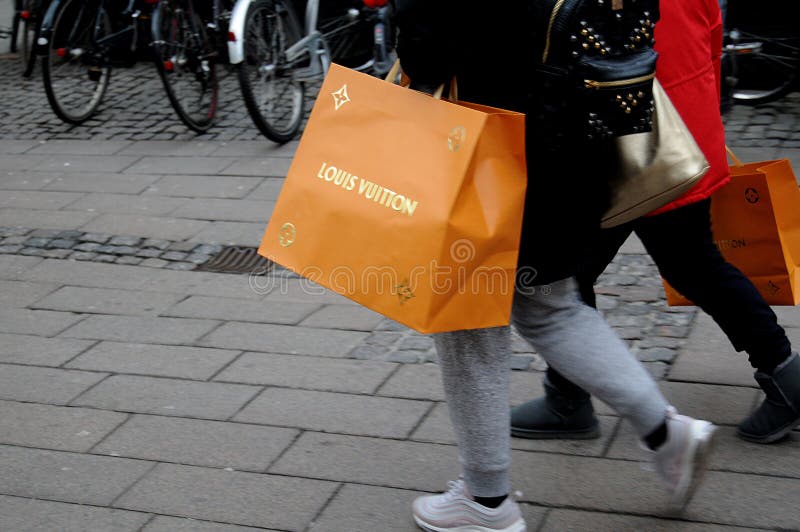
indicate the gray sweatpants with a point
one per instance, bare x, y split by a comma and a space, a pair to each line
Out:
571, 337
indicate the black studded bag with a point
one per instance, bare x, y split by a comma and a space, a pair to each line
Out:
596, 64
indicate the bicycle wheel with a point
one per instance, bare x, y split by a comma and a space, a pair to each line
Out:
765, 67
272, 95
186, 61
29, 22
75, 72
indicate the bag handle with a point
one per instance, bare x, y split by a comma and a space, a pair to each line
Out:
405, 81
733, 157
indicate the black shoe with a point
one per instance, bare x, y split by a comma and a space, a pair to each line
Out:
780, 411
555, 416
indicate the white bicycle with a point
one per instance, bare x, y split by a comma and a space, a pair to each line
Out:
276, 59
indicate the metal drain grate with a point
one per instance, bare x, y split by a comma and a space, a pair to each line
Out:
235, 259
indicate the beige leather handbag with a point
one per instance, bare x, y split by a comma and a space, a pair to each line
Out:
655, 167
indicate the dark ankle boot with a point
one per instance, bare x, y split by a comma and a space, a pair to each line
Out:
556, 415
780, 411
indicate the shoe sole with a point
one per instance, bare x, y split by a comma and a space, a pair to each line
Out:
703, 444
582, 434
769, 438
517, 526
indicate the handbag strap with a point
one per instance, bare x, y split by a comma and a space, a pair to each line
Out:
733, 157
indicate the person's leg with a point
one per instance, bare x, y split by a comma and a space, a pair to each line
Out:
475, 367
682, 246
565, 410
574, 339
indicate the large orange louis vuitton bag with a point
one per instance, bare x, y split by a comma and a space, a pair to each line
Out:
755, 221
409, 205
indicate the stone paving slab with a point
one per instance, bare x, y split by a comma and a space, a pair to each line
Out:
269, 189
38, 351
203, 186
127, 204
748, 500
283, 339
718, 404
156, 360
335, 412
81, 147
145, 226
196, 442
170, 397
21, 514
26, 180
13, 267
264, 166
191, 148
176, 524
67, 477
44, 385
574, 520
232, 210
45, 219
106, 301
708, 357
374, 461
19, 294
109, 183
14, 147
85, 163
194, 165
347, 317
256, 148
308, 372
241, 310
230, 497
246, 234
24, 199
138, 329
55, 427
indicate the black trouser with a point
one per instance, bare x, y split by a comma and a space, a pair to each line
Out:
680, 243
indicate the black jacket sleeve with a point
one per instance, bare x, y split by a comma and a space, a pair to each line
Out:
425, 40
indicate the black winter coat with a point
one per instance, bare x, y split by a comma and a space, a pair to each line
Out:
489, 47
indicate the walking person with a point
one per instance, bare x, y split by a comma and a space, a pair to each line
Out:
678, 237
437, 41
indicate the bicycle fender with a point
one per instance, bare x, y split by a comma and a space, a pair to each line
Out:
236, 31
46, 27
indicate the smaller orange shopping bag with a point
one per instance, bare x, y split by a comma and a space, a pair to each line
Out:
755, 221
407, 204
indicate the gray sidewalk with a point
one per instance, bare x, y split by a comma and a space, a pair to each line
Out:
139, 394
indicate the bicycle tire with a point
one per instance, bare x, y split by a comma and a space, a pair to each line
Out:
769, 74
186, 61
29, 32
75, 75
265, 76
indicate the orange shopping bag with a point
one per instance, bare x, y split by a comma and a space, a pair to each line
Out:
756, 224
409, 205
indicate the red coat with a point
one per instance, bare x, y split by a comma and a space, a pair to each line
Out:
689, 43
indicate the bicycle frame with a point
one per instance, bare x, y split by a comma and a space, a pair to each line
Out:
46, 29
236, 32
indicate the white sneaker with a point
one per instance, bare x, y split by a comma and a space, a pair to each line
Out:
683, 458
454, 510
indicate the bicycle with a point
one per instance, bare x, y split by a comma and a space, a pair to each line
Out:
276, 60
27, 15
763, 51
79, 42
188, 44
